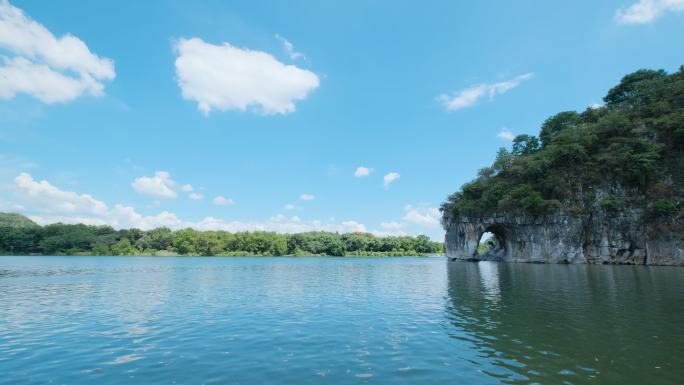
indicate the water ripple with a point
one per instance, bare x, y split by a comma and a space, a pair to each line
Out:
333, 320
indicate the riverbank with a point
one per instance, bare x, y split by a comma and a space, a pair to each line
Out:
21, 236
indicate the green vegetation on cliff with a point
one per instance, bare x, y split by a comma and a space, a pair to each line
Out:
635, 142
80, 239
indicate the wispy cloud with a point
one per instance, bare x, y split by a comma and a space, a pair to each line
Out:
289, 48
422, 215
223, 201
647, 11
390, 178
469, 97
505, 134
196, 196
306, 197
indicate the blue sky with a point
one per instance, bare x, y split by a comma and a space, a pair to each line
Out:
110, 111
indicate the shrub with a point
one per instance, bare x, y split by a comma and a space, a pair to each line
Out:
609, 204
664, 207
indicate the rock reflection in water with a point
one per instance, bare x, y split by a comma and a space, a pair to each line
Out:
570, 324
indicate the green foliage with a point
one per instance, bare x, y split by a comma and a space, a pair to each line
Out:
610, 204
61, 239
525, 145
556, 124
664, 207
635, 141
15, 220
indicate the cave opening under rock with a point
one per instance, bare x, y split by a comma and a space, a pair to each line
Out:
492, 245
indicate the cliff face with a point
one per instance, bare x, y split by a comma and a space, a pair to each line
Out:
597, 238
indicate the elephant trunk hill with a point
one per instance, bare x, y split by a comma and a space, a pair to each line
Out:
602, 186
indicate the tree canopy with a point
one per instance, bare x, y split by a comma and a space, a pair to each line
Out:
68, 239
635, 140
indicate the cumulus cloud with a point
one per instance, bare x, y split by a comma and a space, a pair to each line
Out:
289, 48
390, 178
647, 11
306, 197
196, 196
505, 134
225, 77
290, 206
469, 97
279, 223
49, 68
223, 201
160, 185
392, 225
49, 204
362, 171
54, 199
422, 216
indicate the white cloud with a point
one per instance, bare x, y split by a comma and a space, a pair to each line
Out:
222, 201
187, 188
48, 68
278, 223
225, 77
306, 197
423, 216
362, 171
646, 11
51, 204
160, 185
289, 48
45, 203
290, 206
196, 196
468, 97
54, 199
390, 178
505, 134
595, 106
392, 225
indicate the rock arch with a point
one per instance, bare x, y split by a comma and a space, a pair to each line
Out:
498, 252
521, 239
599, 238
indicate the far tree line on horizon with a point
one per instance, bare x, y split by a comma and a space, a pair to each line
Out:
21, 236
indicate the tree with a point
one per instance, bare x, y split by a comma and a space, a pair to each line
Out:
525, 145
557, 123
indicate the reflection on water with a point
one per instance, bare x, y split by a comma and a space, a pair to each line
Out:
338, 321
489, 274
571, 324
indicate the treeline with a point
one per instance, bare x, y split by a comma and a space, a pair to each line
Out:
80, 239
634, 142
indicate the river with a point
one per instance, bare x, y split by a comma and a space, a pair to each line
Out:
323, 320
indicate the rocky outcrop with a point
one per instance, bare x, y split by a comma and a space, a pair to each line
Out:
597, 238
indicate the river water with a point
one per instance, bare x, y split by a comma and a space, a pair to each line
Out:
158, 320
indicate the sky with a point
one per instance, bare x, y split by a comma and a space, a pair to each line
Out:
293, 116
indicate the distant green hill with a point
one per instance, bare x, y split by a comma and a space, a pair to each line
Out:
16, 220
